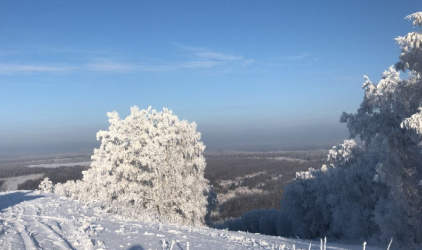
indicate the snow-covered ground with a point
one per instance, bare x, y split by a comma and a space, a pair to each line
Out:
33, 220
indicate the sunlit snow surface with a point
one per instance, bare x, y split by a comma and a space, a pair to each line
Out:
32, 220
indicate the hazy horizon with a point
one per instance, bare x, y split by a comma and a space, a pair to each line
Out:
252, 139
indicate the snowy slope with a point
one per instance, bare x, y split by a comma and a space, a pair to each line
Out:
32, 220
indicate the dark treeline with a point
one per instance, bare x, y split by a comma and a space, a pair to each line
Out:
242, 203
19, 171
259, 176
56, 175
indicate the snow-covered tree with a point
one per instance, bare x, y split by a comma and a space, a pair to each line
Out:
150, 163
389, 122
46, 185
373, 190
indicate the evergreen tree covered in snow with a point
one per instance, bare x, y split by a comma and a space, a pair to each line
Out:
150, 164
374, 190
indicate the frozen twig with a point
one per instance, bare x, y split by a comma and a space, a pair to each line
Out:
325, 243
389, 244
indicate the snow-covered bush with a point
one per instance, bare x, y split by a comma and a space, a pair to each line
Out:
46, 185
371, 191
149, 164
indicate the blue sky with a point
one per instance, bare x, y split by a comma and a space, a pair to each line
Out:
252, 74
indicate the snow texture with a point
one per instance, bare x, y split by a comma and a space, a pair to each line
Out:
35, 220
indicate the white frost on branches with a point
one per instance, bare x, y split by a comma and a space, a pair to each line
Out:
341, 152
416, 17
46, 185
150, 164
373, 190
411, 47
413, 125
389, 122
305, 174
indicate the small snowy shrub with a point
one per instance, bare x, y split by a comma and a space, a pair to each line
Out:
149, 165
67, 189
46, 185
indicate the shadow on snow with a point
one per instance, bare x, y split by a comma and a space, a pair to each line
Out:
14, 198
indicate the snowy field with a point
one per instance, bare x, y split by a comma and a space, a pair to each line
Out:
57, 165
32, 220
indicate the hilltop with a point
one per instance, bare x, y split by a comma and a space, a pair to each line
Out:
35, 220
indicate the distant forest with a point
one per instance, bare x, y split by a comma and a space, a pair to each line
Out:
242, 181
265, 176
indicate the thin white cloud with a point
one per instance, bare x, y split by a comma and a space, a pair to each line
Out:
217, 56
200, 64
299, 60
12, 69
117, 67
248, 62
295, 57
196, 58
276, 64
190, 48
9, 52
73, 51
110, 67
212, 58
